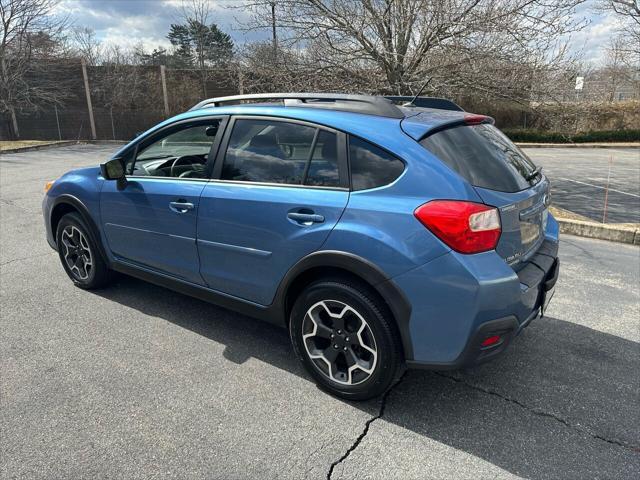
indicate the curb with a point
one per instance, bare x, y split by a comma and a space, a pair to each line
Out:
612, 233
579, 145
64, 143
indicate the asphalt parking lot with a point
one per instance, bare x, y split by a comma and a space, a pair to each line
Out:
135, 381
579, 181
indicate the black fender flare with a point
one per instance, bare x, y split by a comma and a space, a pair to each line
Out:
82, 209
394, 297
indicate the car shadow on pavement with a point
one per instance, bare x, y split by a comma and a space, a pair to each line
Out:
562, 402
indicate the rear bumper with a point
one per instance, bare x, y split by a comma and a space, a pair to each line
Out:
474, 353
459, 301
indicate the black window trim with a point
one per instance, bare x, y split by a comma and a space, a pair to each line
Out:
176, 126
343, 169
348, 152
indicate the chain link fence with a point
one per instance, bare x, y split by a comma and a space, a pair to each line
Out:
115, 102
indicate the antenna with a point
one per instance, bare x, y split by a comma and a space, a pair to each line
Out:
419, 92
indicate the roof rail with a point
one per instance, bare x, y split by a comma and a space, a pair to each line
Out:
366, 104
427, 102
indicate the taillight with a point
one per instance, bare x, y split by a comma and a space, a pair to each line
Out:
466, 227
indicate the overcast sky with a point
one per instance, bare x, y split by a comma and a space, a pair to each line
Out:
130, 22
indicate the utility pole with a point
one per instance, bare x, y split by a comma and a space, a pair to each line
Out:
88, 95
273, 29
163, 79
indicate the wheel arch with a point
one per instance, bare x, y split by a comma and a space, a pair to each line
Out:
65, 204
337, 264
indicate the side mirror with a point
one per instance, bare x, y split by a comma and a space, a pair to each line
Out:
114, 170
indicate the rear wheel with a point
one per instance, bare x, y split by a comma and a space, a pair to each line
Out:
79, 253
344, 336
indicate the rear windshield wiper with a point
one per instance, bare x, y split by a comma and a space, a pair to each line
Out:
534, 174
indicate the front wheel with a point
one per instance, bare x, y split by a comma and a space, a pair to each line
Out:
79, 253
344, 336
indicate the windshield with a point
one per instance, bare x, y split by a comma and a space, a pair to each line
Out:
484, 156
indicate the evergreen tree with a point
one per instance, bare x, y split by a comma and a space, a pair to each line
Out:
201, 46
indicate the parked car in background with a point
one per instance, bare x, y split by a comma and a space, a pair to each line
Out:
380, 235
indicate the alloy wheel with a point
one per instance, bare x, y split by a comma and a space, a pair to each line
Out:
77, 254
339, 342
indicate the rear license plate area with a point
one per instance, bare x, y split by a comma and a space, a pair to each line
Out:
531, 228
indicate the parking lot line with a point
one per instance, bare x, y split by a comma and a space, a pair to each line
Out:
600, 187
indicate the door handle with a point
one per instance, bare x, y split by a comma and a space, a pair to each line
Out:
305, 218
181, 206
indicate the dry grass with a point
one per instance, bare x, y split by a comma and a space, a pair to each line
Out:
562, 213
9, 145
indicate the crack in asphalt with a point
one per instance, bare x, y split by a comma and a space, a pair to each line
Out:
367, 425
24, 258
541, 413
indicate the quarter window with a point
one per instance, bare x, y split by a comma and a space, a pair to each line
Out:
371, 166
269, 151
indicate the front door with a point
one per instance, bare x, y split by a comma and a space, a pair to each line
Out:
151, 222
278, 190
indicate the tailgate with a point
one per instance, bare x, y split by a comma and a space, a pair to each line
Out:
504, 177
523, 216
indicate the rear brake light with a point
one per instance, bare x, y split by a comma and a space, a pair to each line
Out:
466, 227
473, 119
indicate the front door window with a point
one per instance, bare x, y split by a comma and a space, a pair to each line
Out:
182, 153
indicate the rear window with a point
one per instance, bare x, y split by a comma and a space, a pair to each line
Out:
484, 156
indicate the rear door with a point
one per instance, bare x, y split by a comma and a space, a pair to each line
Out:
504, 177
279, 188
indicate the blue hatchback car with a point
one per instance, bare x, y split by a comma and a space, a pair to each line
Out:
381, 232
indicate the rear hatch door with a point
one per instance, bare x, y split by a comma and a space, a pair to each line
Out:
503, 176
523, 216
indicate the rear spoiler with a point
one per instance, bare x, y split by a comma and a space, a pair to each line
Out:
427, 123
427, 102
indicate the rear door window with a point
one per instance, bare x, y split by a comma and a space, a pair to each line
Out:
270, 151
484, 156
323, 169
371, 166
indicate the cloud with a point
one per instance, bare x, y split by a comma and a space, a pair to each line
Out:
594, 39
147, 22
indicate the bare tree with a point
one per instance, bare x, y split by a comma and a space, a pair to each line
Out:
29, 37
628, 11
496, 47
628, 8
87, 45
122, 84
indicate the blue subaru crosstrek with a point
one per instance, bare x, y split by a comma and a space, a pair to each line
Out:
381, 232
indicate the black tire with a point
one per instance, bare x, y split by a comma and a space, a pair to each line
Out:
91, 271
380, 333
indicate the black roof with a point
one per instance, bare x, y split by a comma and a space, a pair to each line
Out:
367, 104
